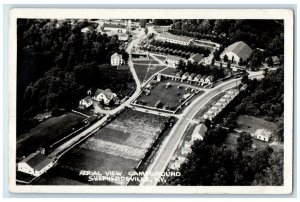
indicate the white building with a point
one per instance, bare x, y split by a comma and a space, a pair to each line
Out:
104, 95
209, 79
199, 132
237, 52
198, 77
116, 59
171, 38
35, 164
116, 28
86, 102
196, 58
123, 37
173, 60
262, 134
185, 76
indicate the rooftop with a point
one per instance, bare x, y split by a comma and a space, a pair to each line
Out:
241, 49
115, 26
37, 161
175, 37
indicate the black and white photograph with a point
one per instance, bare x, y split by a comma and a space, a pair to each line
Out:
151, 101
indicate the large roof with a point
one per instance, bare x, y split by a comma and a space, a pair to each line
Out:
108, 93
200, 129
37, 161
115, 26
196, 57
175, 37
240, 48
87, 99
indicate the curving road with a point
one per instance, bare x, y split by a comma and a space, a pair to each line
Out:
171, 142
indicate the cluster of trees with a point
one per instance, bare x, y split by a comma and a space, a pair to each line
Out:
200, 69
265, 34
211, 163
56, 64
178, 47
166, 51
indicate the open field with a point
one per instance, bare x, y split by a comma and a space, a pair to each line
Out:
48, 132
161, 57
144, 72
167, 96
170, 71
119, 146
251, 124
150, 61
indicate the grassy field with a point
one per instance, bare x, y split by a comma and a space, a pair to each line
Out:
151, 61
168, 96
251, 124
48, 132
144, 72
119, 146
170, 71
161, 57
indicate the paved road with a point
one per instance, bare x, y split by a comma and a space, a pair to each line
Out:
171, 142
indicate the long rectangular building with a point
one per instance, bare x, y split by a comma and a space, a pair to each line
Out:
171, 38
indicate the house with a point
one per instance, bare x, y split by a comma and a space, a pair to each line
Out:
199, 132
117, 28
209, 79
198, 77
244, 87
171, 38
123, 37
173, 60
105, 95
35, 164
207, 116
86, 102
275, 60
176, 165
236, 52
203, 79
185, 151
196, 58
185, 96
116, 59
191, 77
188, 144
85, 30
262, 134
185, 76
179, 74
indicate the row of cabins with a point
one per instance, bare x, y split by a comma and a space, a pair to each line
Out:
221, 104
98, 95
196, 78
198, 134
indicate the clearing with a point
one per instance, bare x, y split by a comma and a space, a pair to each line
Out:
144, 72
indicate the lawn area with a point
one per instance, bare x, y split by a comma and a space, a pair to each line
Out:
48, 132
160, 57
170, 71
168, 96
204, 109
251, 124
144, 72
119, 146
151, 61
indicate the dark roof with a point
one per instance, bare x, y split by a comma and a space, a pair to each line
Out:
37, 161
240, 48
114, 26
196, 57
108, 93
87, 99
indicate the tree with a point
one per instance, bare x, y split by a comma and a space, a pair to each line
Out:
245, 79
213, 61
269, 61
146, 30
244, 141
143, 23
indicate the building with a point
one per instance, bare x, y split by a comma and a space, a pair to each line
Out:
203, 79
185, 76
199, 132
239, 51
86, 102
196, 58
244, 87
185, 150
275, 60
185, 96
198, 77
177, 163
209, 79
173, 60
191, 77
171, 38
105, 95
262, 134
117, 28
35, 164
123, 37
116, 59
